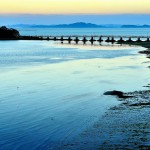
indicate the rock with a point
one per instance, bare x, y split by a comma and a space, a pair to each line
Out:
145, 52
117, 93
140, 104
6, 33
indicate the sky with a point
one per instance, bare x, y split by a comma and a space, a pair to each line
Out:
74, 6
40, 11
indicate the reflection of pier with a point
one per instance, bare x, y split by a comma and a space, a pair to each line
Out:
88, 38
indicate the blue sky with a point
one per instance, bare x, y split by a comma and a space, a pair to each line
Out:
7, 19
70, 11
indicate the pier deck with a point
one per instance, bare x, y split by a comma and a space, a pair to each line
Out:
86, 38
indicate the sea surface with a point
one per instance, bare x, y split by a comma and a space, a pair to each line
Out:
52, 92
85, 31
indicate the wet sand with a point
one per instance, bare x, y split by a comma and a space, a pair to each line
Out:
126, 126
122, 127
54, 98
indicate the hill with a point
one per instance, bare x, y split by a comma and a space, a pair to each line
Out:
6, 33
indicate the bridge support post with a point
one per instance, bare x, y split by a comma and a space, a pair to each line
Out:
84, 40
139, 39
113, 40
55, 39
76, 40
62, 38
69, 39
129, 40
100, 39
121, 40
108, 39
92, 40
148, 40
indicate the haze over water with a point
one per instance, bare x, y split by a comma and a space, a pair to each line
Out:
51, 92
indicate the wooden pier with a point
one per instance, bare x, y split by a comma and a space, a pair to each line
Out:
89, 38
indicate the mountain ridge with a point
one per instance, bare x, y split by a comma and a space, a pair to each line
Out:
79, 25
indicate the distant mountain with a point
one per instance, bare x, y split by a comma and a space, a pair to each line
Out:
73, 25
80, 25
135, 26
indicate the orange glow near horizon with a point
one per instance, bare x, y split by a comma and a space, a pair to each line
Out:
75, 7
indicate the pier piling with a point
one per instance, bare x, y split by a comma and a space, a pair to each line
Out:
85, 38
129, 40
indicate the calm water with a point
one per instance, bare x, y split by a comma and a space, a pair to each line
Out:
81, 31
51, 92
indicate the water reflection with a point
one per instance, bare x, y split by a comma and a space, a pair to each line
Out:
45, 105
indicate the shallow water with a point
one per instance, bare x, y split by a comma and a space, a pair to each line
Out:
85, 31
50, 93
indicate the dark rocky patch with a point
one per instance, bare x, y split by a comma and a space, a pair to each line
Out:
140, 104
6, 33
147, 86
147, 52
117, 93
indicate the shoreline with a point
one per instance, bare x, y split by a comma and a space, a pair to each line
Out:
126, 126
142, 44
122, 127
126, 123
